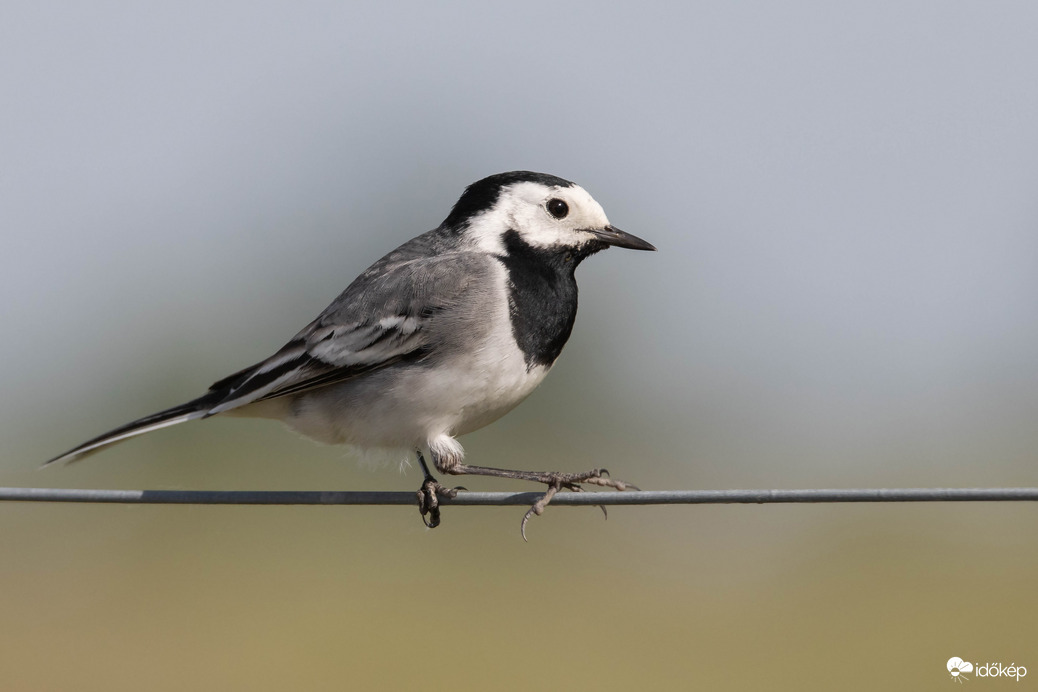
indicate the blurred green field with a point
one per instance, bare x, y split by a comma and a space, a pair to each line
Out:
266, 598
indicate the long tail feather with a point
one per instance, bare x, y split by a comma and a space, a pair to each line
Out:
192, 410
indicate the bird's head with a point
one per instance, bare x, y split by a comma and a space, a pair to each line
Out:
543, 211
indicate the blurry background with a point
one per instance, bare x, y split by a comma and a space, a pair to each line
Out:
843, 196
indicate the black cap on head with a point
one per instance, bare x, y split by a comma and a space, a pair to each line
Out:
482, 194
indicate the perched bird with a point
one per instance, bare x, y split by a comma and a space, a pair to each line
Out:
440, 337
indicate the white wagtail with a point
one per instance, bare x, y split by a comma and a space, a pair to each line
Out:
440, 337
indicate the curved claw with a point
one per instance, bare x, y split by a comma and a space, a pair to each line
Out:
522, 526
427, 504
425, 507
428, 500
538, 507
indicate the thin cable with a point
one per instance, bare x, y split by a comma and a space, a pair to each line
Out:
465, 498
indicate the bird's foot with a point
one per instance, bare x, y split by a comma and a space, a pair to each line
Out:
429, 500
571, 482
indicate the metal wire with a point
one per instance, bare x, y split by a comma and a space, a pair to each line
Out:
642, 497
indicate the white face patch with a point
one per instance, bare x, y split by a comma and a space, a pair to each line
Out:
523, 207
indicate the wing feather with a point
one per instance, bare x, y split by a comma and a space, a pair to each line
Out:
383, 318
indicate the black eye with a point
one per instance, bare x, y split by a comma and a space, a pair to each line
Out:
558, 208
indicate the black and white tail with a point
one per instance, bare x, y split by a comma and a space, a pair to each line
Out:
292, 369
192, 410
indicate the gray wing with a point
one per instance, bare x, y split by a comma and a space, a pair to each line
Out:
384, 317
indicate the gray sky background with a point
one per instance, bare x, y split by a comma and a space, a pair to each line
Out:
842, 194
843, 198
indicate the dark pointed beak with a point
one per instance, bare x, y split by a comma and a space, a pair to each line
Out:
614, 236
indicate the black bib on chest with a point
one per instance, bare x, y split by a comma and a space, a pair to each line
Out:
542, 295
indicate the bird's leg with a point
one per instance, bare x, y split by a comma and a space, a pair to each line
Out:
555, 481
428, 495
